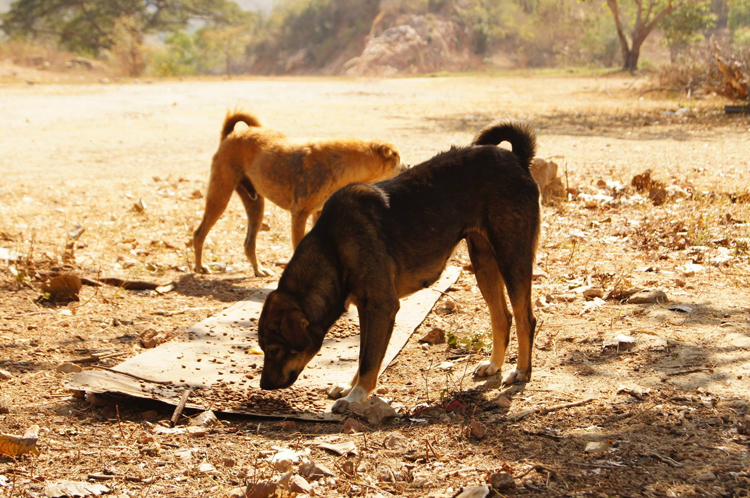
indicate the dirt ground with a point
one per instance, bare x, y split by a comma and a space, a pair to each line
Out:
667, 404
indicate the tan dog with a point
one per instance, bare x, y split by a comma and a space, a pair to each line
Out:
261, 164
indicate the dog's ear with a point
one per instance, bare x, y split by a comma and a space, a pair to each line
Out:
387, 151
294, 330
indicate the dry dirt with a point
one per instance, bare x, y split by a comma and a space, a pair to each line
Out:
670, 410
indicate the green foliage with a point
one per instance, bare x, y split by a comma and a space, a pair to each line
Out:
739, 14
89, 26
178, 56
685, 26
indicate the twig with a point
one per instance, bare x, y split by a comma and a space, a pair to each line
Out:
179, 312
692, 370
667, 460
180, 406
597, 465
431, 449
543, 411
119, 423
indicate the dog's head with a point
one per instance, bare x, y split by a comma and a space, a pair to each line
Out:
392, 158
284, 339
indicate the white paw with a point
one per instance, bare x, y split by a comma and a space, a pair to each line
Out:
486, 369
516, 376
339, 391
201, 269
340, 406
262, 272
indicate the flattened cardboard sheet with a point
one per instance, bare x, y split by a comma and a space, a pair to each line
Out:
220, 360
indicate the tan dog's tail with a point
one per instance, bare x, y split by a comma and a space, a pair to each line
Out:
235, 117
520, 135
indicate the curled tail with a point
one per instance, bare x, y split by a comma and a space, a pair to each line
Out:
520, 135
235, 117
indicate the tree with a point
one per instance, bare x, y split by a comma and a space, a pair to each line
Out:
89, 26
683, 27
225, 41
644, 16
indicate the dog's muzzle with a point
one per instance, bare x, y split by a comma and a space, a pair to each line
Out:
271, 382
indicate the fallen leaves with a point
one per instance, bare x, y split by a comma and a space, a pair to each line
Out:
13, 446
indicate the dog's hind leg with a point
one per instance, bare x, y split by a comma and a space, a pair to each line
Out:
490, 283
220, 187
299, 220
254, 209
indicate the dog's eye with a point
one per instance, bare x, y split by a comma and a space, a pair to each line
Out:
275, 351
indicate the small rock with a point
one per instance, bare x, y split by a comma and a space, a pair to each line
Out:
263, 489
4, 404
62, 288
206, 468
501, 481
706, 476
69, 368
286, 425
374, 409
196, 431
205, 419
566, 298
620, 341
593, 292
237, 493
352, 426
476, 492
313, 470
648, 297
151, 338
476, 429
5, 375
298, 484
596, 447
447, 308
502, 402
229, 462
396, 442
434, 336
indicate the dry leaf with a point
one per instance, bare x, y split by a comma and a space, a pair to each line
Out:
11, 445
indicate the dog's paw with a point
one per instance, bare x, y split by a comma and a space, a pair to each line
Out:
201, 269
339, 391
516, 376
486, 369
262, 272
340, 406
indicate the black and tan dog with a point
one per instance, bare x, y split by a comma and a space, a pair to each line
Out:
260, 163
376, 243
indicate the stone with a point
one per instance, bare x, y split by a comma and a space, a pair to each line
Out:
150, 338
476, 492
648, 297
196, 431
5, 375
206, 468
62, 288
4, 404
374, 410
596, 447
352, 426
262, 489
434, 336
298, 484
69, 368
706, 476
476, 429
205, 419
396, 442
313, 470
501, 481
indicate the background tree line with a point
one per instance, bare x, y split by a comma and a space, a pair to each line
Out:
180, 37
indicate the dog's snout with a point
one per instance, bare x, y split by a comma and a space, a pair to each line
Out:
403, 167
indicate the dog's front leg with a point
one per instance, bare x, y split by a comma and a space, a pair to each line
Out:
376, 321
